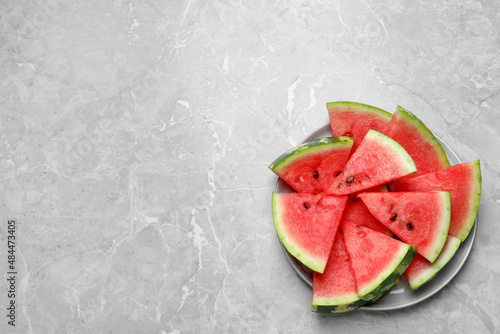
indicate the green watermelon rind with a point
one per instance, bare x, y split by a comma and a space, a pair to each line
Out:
300, 254
360, 108
386, 291
475, 198
388, 278
425, 133
427, 274
337, 305
309, 148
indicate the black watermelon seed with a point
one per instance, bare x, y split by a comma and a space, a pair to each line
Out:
394, 216
315, 174
306, 206
338, 173
350, 179
410, 226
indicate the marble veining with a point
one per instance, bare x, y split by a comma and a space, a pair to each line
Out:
135, 138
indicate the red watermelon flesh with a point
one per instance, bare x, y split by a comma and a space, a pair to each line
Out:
425, 150
335, 290
310, 167
377, 260
421, 219
355, 119
381, 188
421, 271
357, 213
306, 225
378, 160
463, 182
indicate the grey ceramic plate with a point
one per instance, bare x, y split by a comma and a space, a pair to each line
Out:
402, 296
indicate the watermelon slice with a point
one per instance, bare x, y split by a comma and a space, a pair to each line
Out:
357, 213
310, 167
335, 290
306, 225
421, 271
377, 260
355, 119
427, 153
421, 219
463, 182
378, 160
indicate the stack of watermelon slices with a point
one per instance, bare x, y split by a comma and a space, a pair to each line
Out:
373, 201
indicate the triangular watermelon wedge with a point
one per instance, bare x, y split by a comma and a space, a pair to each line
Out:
377, 260
463, 182
378, 160
421, 219
306, 225
421, 271
310, 167
425, 150
335, 290
355, 119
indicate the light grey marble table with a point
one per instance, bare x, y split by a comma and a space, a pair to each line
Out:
136, 136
